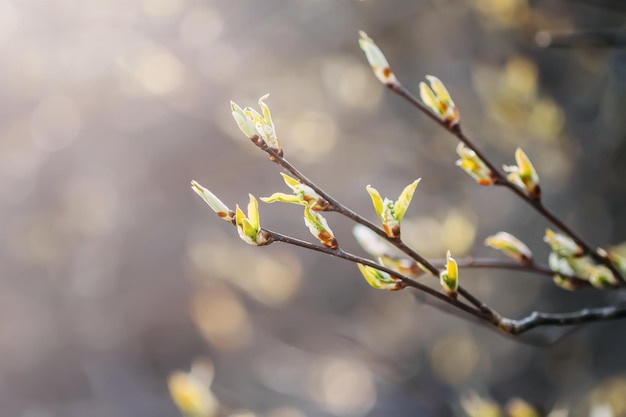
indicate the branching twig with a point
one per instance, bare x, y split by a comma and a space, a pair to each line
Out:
339, 253
533, 268
500, 179
398, 243
522, 180
587, 315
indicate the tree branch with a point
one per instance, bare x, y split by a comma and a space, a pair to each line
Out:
533, 268
587, 315
339, 253
398, 243
500, 179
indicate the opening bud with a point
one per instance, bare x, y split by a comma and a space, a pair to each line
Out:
215, 203
258, 127
377, 60
524, 174
249, 227
390, 212
473, 165
437, 98
318, 226
302, 194
562, 245
449, 278
511, 246
379, 279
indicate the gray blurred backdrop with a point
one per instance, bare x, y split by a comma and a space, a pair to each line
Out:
113, 273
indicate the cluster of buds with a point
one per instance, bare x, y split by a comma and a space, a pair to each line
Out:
248, 227
437, 98
449, 278
302, 194
390, 212
313, 203
259, 128
562, 245
380, 280
510, 246
561, 259
563, 271
567, 260
524, 175
473, 165
599, 276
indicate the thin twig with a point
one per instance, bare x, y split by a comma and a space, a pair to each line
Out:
398, 243
533, 268
500, 179
513, 327
339, 253
587, 315
547, 214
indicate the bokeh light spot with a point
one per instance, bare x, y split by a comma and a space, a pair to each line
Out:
546, 119
158, 71
458, 233
454, 358
343, 386
222, 319
271, 279
351, 82
311, 134
520, 79
424, 235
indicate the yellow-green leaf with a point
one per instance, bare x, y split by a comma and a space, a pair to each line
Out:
401, 206
377, 200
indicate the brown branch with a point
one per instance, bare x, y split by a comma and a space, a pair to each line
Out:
488, 317
532, 268
339, 253
547, 214
512, 327
509, 326
398, 243
536, 319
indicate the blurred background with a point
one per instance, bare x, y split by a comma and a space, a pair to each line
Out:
113, 273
